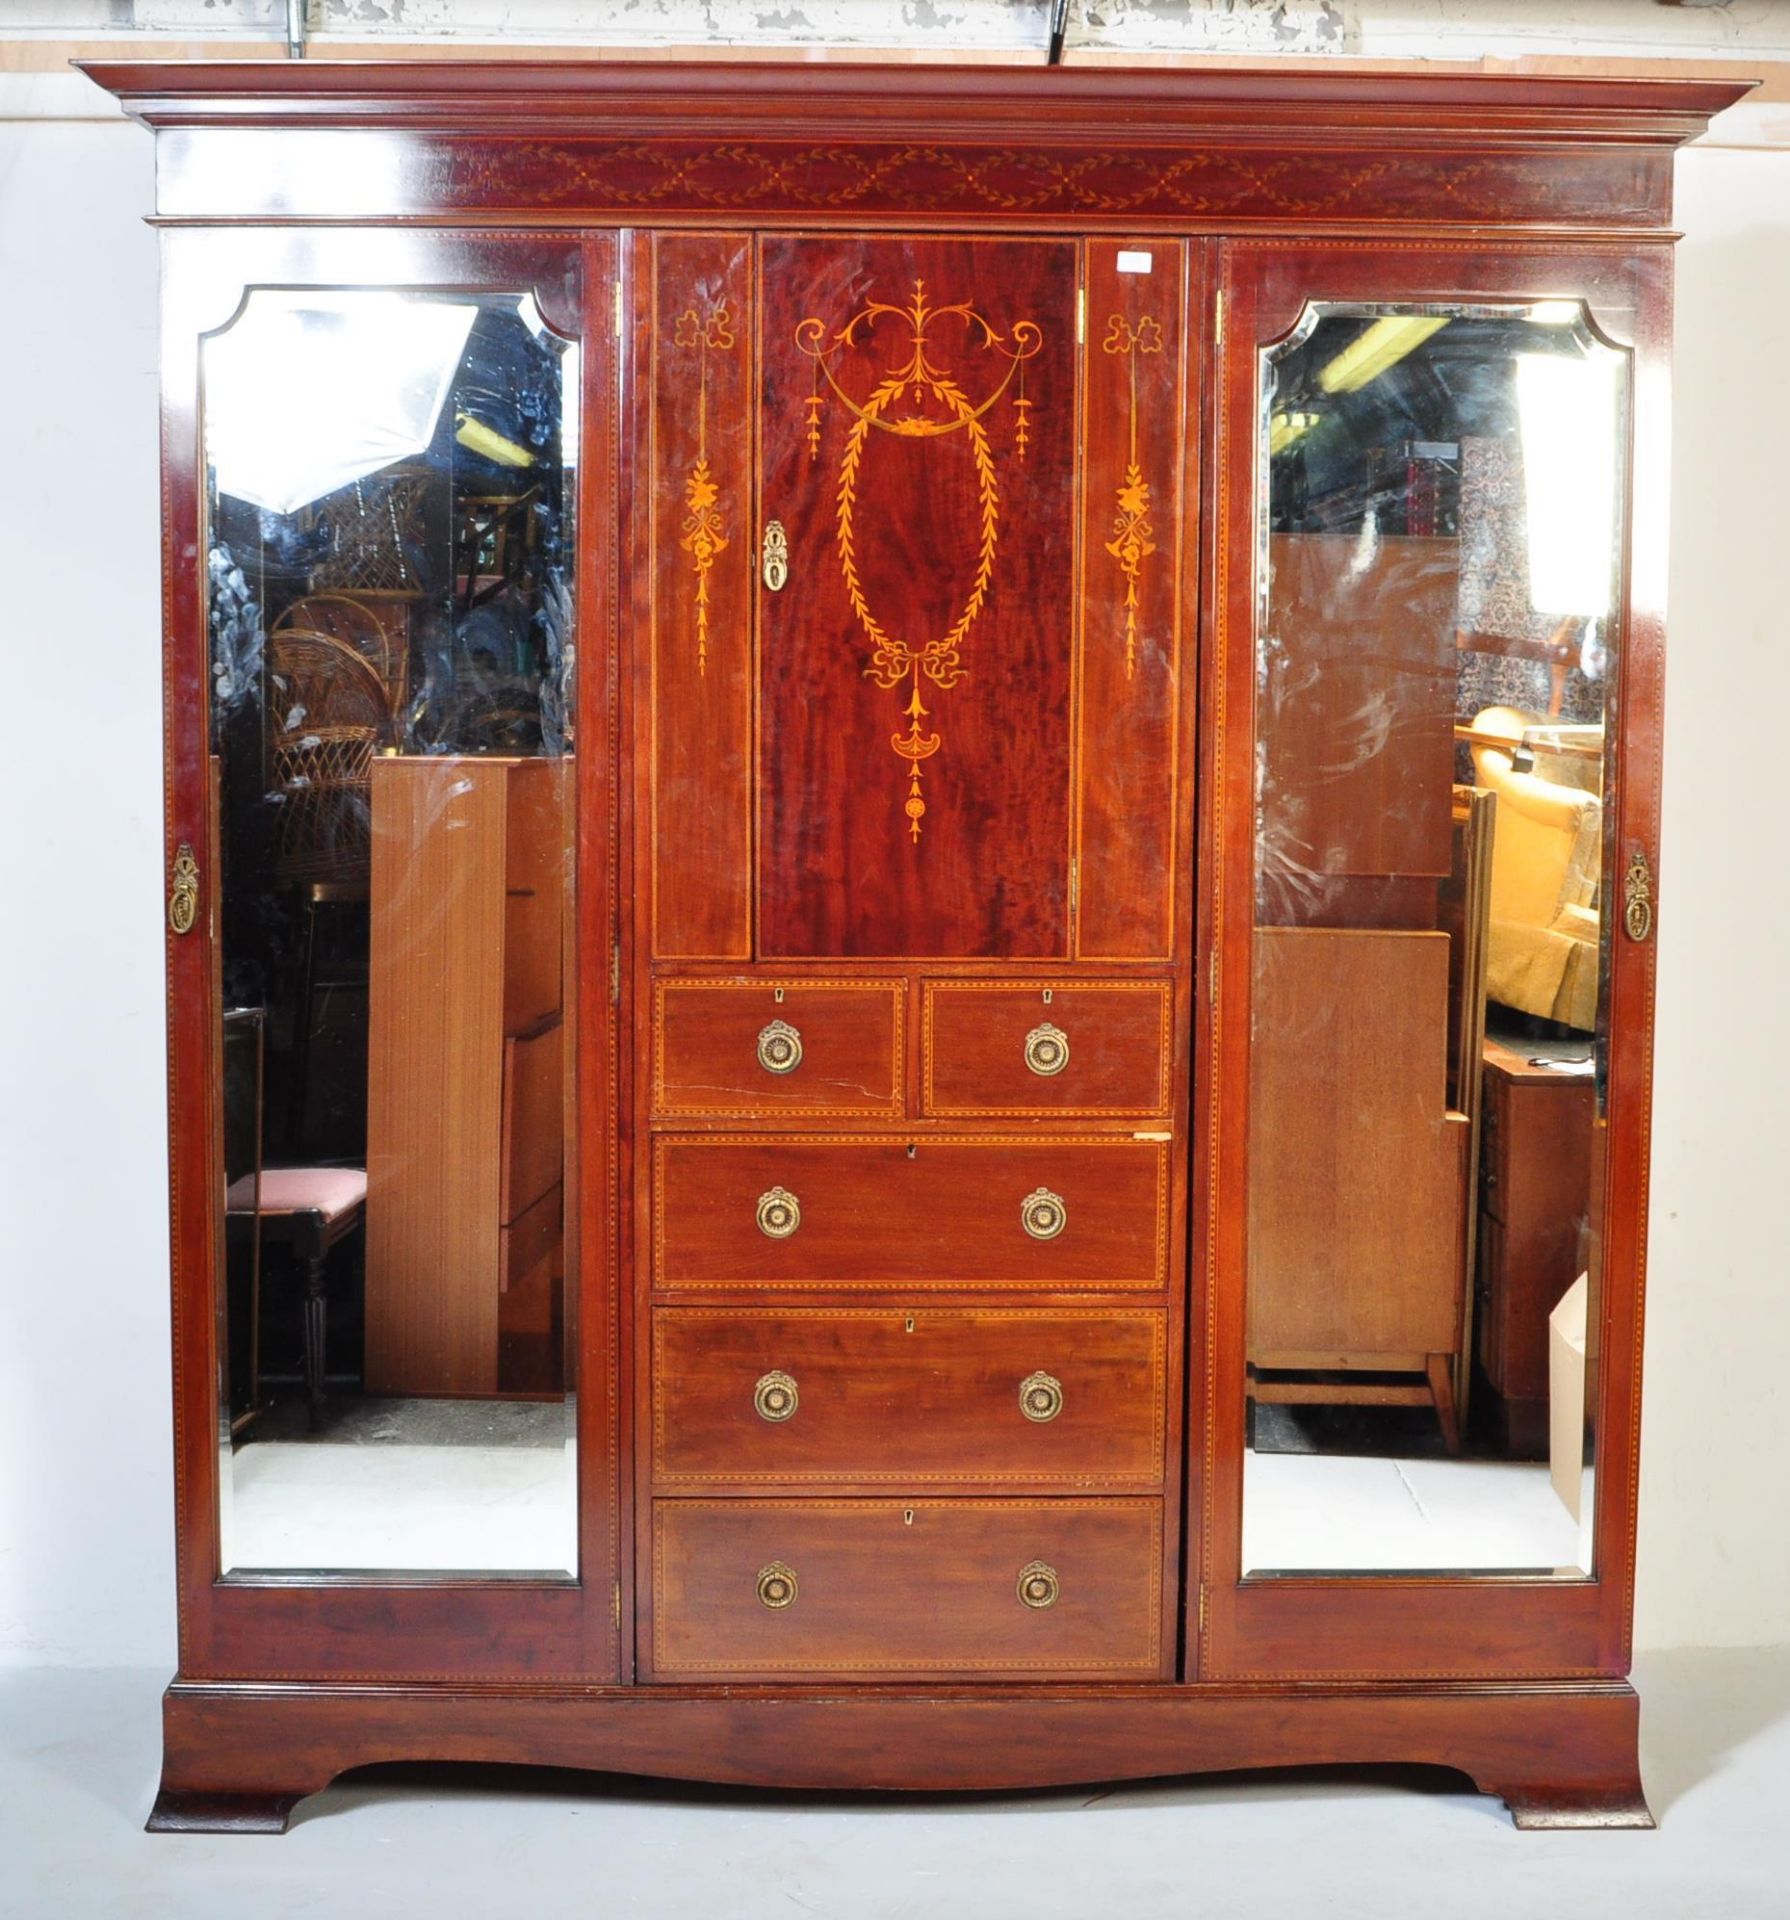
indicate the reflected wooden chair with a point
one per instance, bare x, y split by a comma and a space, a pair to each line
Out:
312, 1210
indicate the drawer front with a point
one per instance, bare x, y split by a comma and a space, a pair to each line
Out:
747, 1396
782, 1589
732, 1046
867, 1211
1002, 1049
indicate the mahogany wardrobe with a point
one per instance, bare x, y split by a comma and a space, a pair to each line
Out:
911, 837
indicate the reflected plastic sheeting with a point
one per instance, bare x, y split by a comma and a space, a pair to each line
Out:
1436, 667
390, 487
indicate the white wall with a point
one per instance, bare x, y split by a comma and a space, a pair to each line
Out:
86, 1503
1715, 1519
86, 1572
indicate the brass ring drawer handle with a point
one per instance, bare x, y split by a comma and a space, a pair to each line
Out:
775, 1397
779, 1213
1038, 1585
1043, 1214
1047, 1050
779, 1047
1040, 1396
777, 1586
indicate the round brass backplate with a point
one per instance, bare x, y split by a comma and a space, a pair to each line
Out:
1040, 1396
775, 1397
779, 1047
779, 1213
777, 1586
1047, 1049
1038, 1585
1043, 1214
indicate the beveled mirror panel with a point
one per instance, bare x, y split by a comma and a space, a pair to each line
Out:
390, 488
1436, 673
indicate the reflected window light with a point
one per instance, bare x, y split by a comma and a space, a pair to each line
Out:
1567, 411
308, 392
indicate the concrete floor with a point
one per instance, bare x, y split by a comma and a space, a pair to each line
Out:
78, 1753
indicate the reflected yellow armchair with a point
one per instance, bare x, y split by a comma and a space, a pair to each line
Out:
1547, 857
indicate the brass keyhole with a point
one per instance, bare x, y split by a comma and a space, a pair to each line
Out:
775, 556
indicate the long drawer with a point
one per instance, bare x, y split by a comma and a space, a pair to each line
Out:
750, 1396
994, 1047
772, 1045
867, 1211
784, 1589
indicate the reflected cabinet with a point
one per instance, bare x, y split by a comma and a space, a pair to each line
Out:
911, 878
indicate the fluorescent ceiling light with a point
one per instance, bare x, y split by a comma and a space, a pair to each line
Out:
1383, 345
1285, 428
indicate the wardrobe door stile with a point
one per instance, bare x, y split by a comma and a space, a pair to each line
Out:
701, 543
1137, 411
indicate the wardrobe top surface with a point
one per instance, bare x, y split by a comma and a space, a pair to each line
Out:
1247, 98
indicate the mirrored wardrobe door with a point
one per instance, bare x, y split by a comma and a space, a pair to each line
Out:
1422, 824
390, 510
1436, 656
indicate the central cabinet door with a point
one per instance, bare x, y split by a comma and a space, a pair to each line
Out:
917, 577
909, 983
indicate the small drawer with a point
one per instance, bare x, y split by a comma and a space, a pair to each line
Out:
1087, 1215
781, 1589
533, 1120
997, 1048
778, 1046
751, 1396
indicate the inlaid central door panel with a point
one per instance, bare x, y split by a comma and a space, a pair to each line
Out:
917, 416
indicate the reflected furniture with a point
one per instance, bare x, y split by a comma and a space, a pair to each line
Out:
465, 1122
1534, 1209
1545, 873
1358, 1190
312, 1210
239, 1335
941, 1054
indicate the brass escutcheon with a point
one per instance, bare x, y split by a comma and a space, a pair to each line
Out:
1043, 1214
775, 555
183, 892
777, 1585
1038, 1585
1040, 1396
776, 1397
779, 1047
1047, 1050
1637, 896
779, 1213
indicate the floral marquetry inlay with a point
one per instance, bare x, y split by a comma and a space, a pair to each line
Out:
917, 398
1133, 536
704, 533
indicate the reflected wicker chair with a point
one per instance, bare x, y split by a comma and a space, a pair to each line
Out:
327, 716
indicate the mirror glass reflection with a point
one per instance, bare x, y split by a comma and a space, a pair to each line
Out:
1436, 666
390, 487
